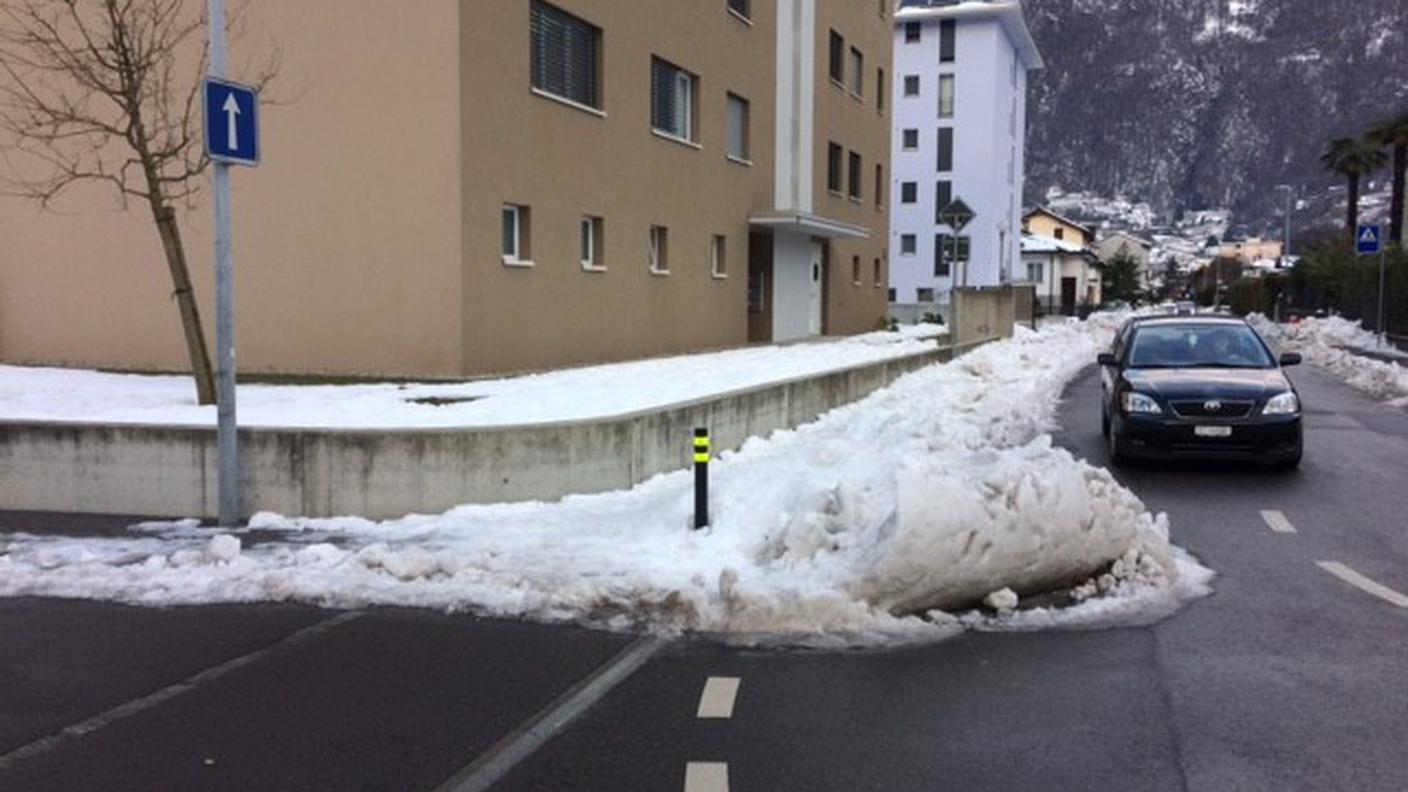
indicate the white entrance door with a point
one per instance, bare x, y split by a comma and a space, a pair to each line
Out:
814, 292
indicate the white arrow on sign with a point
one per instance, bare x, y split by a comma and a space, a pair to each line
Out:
232, 111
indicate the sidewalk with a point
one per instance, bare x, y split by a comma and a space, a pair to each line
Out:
576, 394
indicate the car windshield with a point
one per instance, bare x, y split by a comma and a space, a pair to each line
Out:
1198, 346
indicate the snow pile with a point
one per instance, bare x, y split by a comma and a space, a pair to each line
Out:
1324, 342
51, 394
933, 494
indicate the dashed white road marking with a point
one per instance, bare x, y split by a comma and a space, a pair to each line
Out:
717, 699
1362, 583
1277, 522
706, 777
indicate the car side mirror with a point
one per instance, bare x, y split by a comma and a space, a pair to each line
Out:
1290, 358
1107, 359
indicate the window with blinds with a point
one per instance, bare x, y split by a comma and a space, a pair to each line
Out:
566, 54
671, 99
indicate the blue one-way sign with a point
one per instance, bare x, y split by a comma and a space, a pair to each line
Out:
231, 122
1368, 239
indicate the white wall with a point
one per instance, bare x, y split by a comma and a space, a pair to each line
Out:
989, 122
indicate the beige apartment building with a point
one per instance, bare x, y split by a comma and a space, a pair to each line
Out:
466, 188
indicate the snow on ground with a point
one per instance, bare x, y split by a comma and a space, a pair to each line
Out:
53, 394
1329, 343
937, 492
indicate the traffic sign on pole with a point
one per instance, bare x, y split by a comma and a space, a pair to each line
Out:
231, 122
1368, 239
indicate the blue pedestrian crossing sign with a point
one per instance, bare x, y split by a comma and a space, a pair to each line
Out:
231, 122
1368, 239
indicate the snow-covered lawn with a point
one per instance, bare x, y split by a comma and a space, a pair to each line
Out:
1326, 342
53, 394
939, 491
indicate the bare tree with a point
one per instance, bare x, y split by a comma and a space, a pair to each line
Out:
109, 91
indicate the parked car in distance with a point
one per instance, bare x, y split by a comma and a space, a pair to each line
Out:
1198, 387
1184, 308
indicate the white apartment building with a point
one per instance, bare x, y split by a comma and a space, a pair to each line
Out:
959, 88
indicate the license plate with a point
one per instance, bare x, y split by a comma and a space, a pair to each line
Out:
1212, 431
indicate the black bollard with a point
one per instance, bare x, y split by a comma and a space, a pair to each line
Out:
701, 478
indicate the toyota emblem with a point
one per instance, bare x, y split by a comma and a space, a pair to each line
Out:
1212, 406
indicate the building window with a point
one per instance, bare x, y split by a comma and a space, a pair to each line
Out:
672, 97
911, 85
946, 95
566, 54
925, 295
1036, 272
879, 90
891, 295
1059, 233
855, 270
908, 244
738, 127
948, 33
659, 249
515, 234
910, 139
879, 185
911, 32
875, 272
740, 7
948, 249
909, 192
833, 167
943, 196
857, 84
718, 256
855, 171
838, 57
591, 242
945, 149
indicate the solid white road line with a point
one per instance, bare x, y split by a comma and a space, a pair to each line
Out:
706, 777
487, 769
1277, 522
1362, 583
717, 699
146, 702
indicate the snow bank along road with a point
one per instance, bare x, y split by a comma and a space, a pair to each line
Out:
1283, 679
861, 527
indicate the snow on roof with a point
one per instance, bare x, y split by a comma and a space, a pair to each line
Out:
1035, 243
1126, 235
1008, 13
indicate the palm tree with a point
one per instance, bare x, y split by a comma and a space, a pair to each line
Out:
1392, 133
1353, 159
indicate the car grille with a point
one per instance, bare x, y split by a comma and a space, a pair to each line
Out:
1199, 408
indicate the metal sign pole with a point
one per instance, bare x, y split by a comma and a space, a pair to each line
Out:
1382, 335
226, 438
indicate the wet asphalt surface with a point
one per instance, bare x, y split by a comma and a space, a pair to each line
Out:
1286, 678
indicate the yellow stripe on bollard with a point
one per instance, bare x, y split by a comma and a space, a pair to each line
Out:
701, 458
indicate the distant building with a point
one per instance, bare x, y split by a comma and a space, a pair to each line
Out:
1046, 223
959, 92
1065, 273
1123, 243
1250, 249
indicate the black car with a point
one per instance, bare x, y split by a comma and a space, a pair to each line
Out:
1198, 387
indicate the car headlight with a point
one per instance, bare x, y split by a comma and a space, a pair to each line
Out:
1282, 404
1140, 403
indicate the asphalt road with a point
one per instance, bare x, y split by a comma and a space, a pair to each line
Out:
1287, 678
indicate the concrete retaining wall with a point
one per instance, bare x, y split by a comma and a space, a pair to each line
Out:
171, 471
